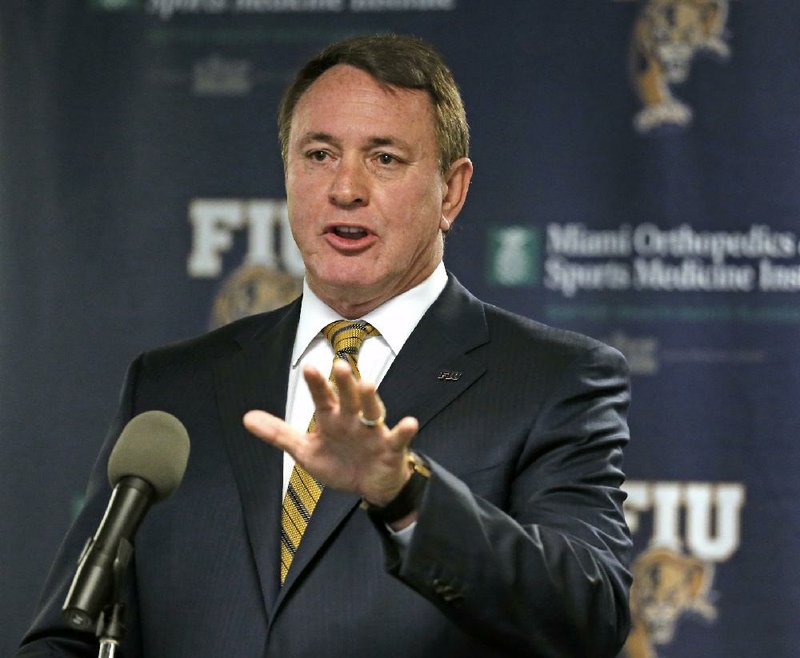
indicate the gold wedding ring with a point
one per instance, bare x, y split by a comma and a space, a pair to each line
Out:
368, 422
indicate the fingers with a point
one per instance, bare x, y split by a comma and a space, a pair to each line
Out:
271, 429
356, 399
347, 388
370, 404
322, 394
352, 396
403, 433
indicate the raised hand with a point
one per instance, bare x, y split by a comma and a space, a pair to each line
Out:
349, 447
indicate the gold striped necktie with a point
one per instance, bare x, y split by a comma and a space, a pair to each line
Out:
346, 337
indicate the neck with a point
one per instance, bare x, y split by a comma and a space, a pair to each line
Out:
351, 309
352, 303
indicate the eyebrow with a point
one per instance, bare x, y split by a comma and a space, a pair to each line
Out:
317, 137
371, 142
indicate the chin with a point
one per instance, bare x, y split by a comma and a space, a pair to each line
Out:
350, 273
341, 284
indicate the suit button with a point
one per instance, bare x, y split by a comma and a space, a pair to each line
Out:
446, 591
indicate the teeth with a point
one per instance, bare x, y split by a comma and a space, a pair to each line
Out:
349, 231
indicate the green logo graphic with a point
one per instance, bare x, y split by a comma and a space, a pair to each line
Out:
114, 5
514, 256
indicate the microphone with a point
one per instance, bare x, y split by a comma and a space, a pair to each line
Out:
146, 465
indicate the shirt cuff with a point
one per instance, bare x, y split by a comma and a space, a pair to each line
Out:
402, 537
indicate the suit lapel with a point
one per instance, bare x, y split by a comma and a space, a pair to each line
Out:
332, 509
414, 385
435, 365
255, 378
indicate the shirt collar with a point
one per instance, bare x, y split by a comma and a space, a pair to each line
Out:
395, 318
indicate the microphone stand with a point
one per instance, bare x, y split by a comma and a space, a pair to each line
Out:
111, 624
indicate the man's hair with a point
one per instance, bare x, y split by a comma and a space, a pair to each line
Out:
396, 61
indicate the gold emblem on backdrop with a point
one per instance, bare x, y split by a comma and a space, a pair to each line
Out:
253, 288
667, 36
667, 585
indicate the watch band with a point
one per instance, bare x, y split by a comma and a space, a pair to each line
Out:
408, 499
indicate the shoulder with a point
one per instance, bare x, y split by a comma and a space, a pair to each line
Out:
520, 334
221, 342
510, 336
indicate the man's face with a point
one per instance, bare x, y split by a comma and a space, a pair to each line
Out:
367, 200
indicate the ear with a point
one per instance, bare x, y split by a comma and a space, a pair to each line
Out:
456, 184
696, 578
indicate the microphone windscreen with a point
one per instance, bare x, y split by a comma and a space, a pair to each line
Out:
153, 446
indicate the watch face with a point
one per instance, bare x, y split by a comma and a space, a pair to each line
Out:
419, 465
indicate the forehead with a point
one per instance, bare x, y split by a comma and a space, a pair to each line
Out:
346, 98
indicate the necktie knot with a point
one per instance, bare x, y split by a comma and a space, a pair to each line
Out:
346, 338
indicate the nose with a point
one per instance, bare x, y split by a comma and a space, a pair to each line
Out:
349, 186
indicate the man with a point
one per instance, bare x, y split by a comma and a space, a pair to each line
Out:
487, 461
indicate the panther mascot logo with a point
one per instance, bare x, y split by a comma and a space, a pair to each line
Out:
253, 288
667, 35
666, 585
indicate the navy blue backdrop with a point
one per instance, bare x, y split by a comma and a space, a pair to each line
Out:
637, 167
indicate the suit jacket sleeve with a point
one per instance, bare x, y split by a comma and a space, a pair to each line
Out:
542, 571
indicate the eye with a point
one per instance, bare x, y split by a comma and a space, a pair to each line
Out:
318, 156
386, 159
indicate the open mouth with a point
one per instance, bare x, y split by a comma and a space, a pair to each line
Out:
349, 232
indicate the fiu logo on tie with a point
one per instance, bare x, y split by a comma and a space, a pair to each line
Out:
667, 35
694, 526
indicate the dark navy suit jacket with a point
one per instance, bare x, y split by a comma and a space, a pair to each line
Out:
520, 548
